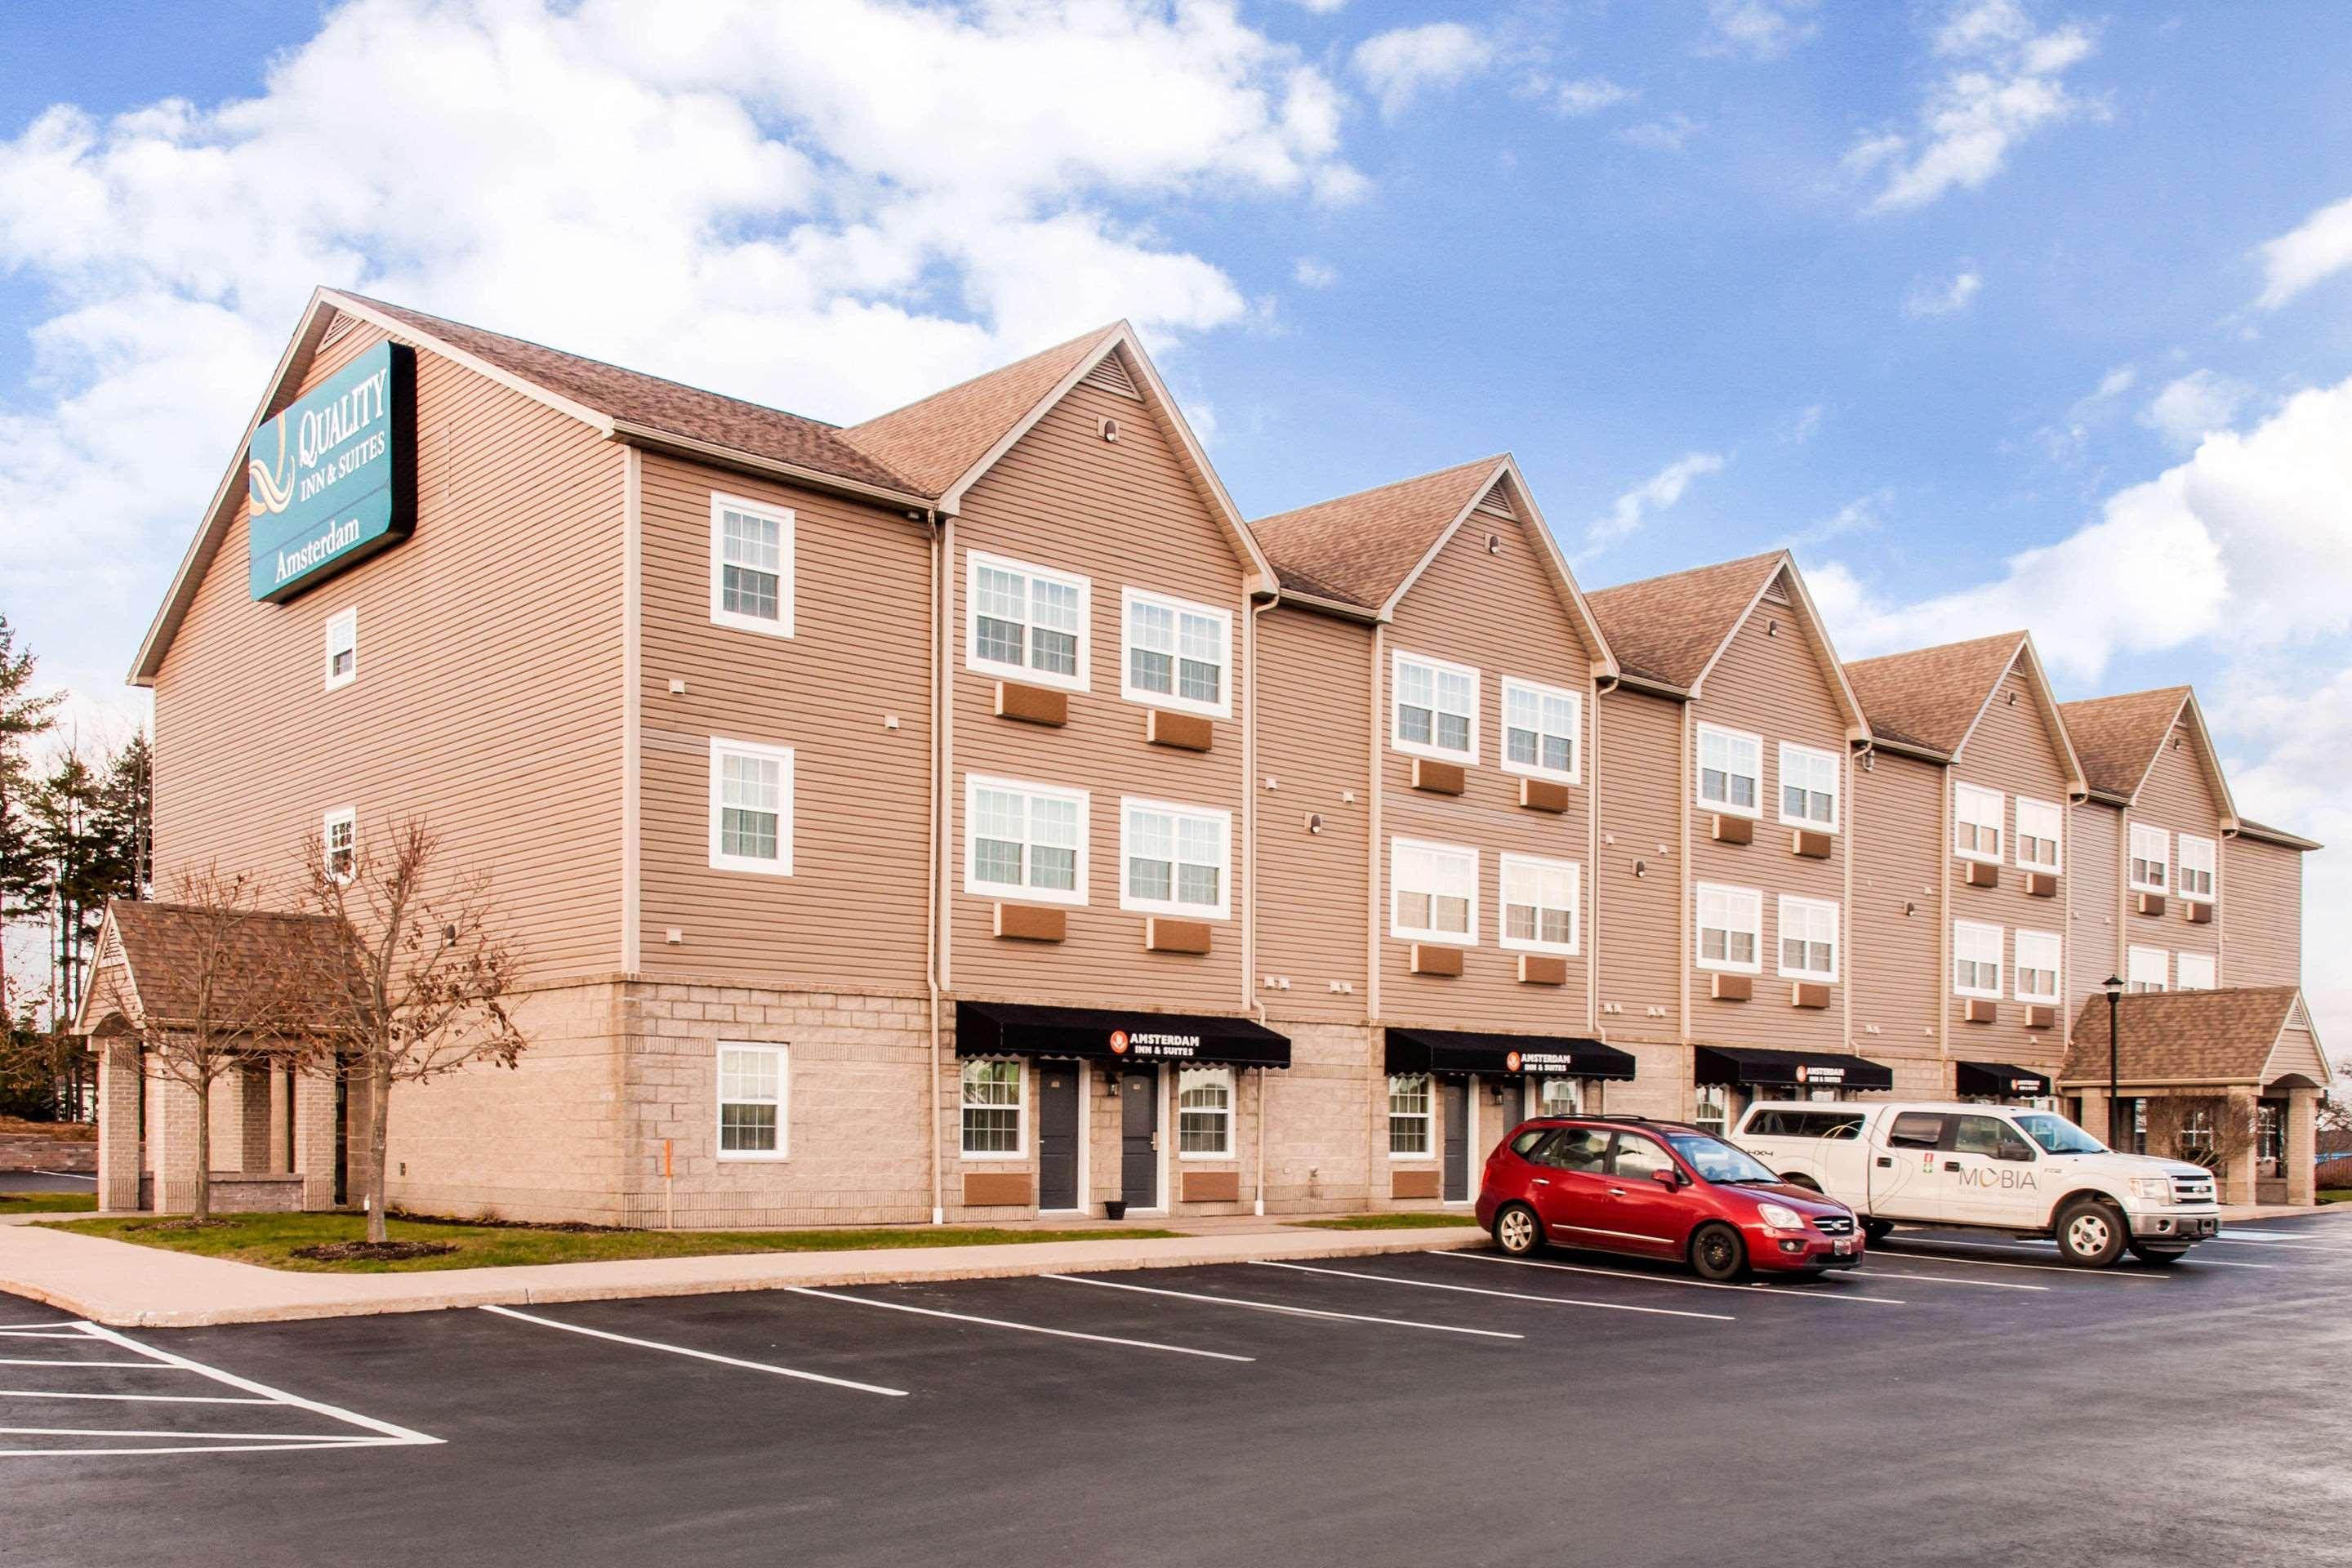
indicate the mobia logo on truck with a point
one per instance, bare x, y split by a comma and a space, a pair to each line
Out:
1999, 1180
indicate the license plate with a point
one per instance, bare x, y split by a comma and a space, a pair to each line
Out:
1845, 1249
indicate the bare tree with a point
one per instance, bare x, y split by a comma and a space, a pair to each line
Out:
424, 991
2200, 1128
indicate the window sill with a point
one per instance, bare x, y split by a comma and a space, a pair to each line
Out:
753, 868
990, 1159
1026, 677
1027, 896
1551, 775
1176, 704
743, 1157
1432, 939
1469, 759
776, 628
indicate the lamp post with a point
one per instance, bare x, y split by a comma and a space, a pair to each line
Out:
2114, 987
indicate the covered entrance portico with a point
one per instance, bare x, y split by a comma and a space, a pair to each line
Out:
1487, 1084
1728, 1079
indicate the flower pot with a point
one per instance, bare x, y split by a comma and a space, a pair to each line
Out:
1115, 1208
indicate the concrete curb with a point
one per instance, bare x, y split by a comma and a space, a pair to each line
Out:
121, 1292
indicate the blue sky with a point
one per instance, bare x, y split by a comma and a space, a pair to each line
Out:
2002, 312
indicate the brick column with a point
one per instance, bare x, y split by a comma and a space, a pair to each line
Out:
249, 1088
2302, 1145
2238, 1181
119, 1067
171, 1112
313, 1112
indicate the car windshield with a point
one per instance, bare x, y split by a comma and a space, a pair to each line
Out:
2059, 1136
1717, 1160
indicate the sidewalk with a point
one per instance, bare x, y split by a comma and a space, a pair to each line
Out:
123, 1285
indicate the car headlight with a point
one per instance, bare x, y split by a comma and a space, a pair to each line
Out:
1779, 1218
2155, 1189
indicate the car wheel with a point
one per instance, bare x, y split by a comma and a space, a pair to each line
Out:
1877, 1230
2091, 1235
1517, 1231
1717, 1253
1799, 1179
2158, 1256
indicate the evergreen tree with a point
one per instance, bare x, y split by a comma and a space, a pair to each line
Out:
82, 867
22, 878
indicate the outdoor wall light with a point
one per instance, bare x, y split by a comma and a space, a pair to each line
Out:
1640, 867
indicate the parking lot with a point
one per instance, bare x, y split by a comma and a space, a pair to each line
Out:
1955, 1401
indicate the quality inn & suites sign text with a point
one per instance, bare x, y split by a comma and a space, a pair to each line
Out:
333, 479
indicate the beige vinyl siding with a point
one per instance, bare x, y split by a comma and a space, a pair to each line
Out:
2014, 750
1638, 918
1313, 715
1501, 614
1898, 902
1768, 681
852, 911
2095, 901
489, 696
2296, 1053
2262, 912
1122, 515
2177, 796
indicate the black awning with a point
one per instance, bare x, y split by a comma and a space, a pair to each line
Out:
1103, 1034
1533, 1055
1751, 1068
1997, 1079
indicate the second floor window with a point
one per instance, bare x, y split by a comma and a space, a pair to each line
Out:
342, 651
1809, 787
1730, 928
2040, 827
1976, 823
2193, 971
1175, 859
1177, 653
2038, 964
1434, 892
1436, 709
1025, 841
2151, 857
339, 841
1976, 959
750, 567
2146, 969
1809, 939
1731, 770
750, 807
1027, 621
1540, 903
1539, 729
2196, 867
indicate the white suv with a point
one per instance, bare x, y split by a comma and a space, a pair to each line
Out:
1987, 1167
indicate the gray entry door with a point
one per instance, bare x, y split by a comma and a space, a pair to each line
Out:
1138, 1142
1455, 1100
1057, 1135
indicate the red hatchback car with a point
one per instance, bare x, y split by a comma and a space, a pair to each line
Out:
1657, 1189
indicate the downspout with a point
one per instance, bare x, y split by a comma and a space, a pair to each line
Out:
1375, 1068
1853, 819
1599, 689
935, 892
1250, 997
1944, 932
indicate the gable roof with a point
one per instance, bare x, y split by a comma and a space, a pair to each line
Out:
936, 441
2119, 739
1362, 553
2248, 828
166, 948
2185, 1037
1934, 697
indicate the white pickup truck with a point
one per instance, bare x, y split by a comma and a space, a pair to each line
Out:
1987, 1167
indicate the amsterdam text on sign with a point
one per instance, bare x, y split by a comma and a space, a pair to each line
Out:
333, 479
1125, 1042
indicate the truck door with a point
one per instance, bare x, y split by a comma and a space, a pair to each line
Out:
1992, 1175
1904, 1179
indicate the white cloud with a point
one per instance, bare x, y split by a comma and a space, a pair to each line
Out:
2194, 406
1309, 273
2320, 247
1999, 84
1402, 65
1654, 494
1864, 514
1591, 95
1666, 134
1945, 299
1761, 29
1808, 421
1320, 7
736, 199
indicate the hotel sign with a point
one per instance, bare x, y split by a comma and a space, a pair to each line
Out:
333, 478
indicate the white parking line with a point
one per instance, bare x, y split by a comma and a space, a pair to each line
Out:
1005, 1323
1513, 1295
2042, 1267
1286, 1310
1669, 1278
307, 1439
1952, 1279
138, 1398
117, 1365
698, 1356
66, 1332
2287, 1246
276, 1395
65, 1323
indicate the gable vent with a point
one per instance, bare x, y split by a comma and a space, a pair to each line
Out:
338, 327
1776, 592
1109, 374
1496, 502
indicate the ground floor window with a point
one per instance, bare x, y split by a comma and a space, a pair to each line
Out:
2270, 1136
1204, 1112
1714, 1109
1560, 1097
1409, 1117
751, 1081
992, 1108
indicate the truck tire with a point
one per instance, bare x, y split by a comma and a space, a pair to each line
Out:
1877, 1230
1717, 1253
2159, 1257
1517, 1231
2092, 1233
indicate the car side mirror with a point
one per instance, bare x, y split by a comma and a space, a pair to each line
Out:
1666, 1175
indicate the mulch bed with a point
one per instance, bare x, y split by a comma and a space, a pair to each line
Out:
372, 1251
560, 1227
182, 1225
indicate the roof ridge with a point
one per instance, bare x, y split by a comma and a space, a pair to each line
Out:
1101, 331
1376, 489
1689, 571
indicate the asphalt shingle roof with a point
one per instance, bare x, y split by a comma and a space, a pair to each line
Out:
1357, 548
2116, 738
2171, 1036
1667, 628
1930, 696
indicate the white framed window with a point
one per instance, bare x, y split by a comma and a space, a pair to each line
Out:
1809, 787
1434, 708
1408, 1116
1560, 1097
1027, 621
1542, 904
1808, 938
2041, 963
2151, 857
1175, 859
2147, 969
1976, 959
1540, 726
1711, 1108
2196, 861
1178, 654
1433, 891
340, 660
750, 565
1025, 840
1730, 928
2040, 833
339, 843
2193, 971
750, 807
1975, 822
753, 1084
1205, 1113
995, 1108
1731, 770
